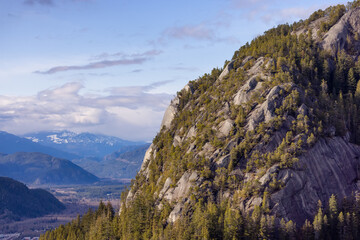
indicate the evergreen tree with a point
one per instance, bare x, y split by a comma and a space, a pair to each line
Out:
351, 81
357, 93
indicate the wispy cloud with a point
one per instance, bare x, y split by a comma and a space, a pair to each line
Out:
299, 12
150, 53
287, 14
129, 112
41, 2
183, 68
94, 65
124, 59
250, 3
275, 12
48, 2
199, 31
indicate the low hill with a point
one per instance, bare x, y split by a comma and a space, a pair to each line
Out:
18, 201
39, 168
10, 143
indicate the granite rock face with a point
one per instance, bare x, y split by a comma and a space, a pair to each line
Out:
226, 70
170, 113
330, 167
247, 90
347, 27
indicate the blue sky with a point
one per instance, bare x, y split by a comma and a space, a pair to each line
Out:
112, 66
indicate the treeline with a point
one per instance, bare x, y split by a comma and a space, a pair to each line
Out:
213, 221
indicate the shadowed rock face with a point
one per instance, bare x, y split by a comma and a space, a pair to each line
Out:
330, 167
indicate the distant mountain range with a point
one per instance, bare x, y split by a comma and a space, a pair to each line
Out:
119, 164
103, 156
18, 201
82, 144
39, 168
10, 143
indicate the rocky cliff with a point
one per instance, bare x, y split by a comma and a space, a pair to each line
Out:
277, 128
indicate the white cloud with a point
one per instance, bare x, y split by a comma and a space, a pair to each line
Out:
134, 114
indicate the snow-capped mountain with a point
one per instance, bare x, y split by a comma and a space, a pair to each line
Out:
82, 144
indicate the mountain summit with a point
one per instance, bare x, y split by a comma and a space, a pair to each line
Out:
267, 143
277, 128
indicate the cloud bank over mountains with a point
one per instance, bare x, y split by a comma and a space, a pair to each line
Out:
131, 112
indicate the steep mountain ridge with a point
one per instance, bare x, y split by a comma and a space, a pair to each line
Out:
266, 148
271, 99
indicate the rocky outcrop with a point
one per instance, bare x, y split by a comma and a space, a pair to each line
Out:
150, 152
170, 113
223, 161
314, 27
191, 133
247, 90
347, 27
257, 67
265, 111
226, 70
182, 186
172, 109
246, 60
189, 87
179, 193
330, 167
166, 187
225, 127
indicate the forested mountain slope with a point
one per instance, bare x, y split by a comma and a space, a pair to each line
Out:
18, 201
43, 169
254, 149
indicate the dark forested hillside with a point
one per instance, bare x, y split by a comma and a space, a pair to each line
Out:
39, 168
266, 148
18, 201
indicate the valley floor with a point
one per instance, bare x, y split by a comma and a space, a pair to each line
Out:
77, 199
